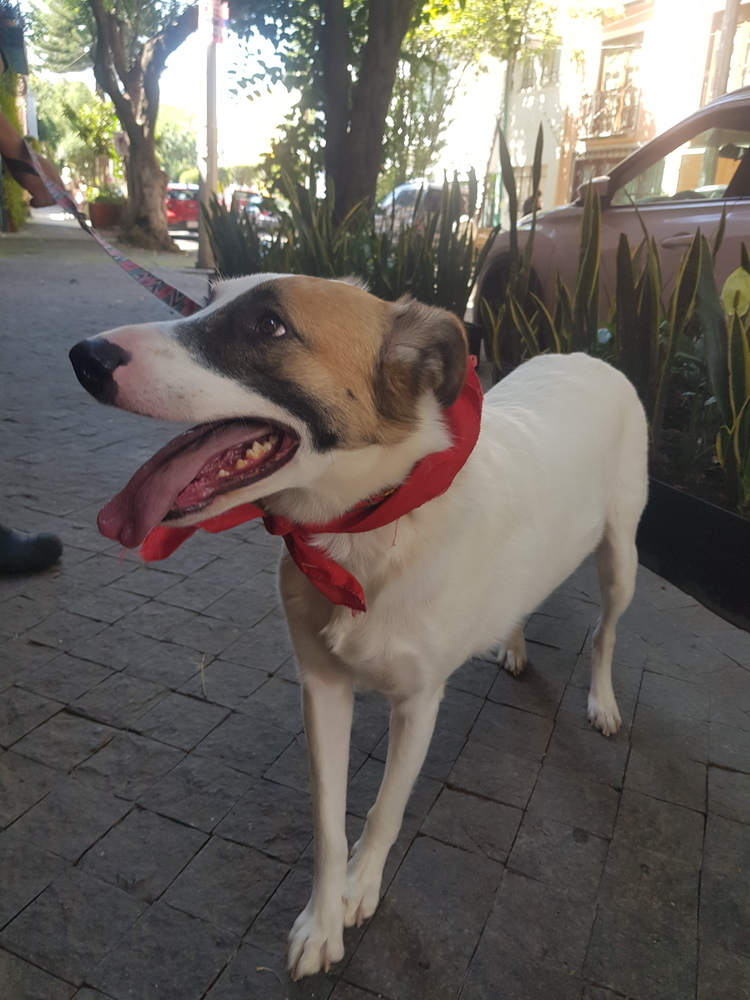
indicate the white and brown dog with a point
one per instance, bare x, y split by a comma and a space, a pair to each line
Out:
314, 400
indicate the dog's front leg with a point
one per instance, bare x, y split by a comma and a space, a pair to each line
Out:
316, 939
411, 727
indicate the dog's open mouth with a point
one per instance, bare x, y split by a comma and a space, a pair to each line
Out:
187, 473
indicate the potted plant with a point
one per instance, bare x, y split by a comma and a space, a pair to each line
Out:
106, 208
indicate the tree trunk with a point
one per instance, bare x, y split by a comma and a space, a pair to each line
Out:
353, 163
145, 223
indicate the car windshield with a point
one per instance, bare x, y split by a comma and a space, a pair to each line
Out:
701, 168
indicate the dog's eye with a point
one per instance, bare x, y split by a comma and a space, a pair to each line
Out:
271, 326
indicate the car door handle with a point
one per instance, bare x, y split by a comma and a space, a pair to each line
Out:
675, 242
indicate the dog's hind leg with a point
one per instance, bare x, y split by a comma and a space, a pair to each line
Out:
512, 654
411, 727
616, 562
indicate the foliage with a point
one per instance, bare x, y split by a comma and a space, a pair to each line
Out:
106, 195
733, 439
14, 200
127, 42
176, 143
436, 259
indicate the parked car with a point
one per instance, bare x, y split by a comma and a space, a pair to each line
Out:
258, 209
182, 206
673, 185
413, 201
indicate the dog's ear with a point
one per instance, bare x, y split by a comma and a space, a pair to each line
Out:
424, 350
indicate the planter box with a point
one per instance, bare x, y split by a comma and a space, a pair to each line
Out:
702, 549
105, 214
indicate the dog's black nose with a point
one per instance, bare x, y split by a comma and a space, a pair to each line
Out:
94, 361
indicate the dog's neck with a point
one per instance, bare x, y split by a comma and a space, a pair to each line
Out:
347, 479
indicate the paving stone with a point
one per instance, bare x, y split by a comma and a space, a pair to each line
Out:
664, 692
224, 683
143, 854
474, 824
572, 799
729, 794
167, 955
245, 744
245, 607
496, 774
643, 953
25, 871
64, 741
270, 818
722, 974
371, 717
146, 580
22, 981
724, 900
659, 827
363, 790
180, 721
292, 767
511, 730
108, 604
729, 747
414, 947
21, 711
198, 791
666, 735
76, 909
70, 819
204, 634
119, 700
65, 678
561, 855
22, 612
278, 702
262, 974
476, 676
681, 781
20, 659
118, 648
343, 991
226, 884
157, 620
63, 630
540, 686
194, 593
23, 782
516, 978
596, 757
638, 876
129, 765
265, 646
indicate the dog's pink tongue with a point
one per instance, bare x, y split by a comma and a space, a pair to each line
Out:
152, 491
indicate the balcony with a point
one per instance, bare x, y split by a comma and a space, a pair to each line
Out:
610, 112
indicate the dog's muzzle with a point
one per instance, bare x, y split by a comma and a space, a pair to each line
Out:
94, 361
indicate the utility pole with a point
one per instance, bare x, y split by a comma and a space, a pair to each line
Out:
210, 23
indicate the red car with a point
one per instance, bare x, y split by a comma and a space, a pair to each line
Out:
182, 206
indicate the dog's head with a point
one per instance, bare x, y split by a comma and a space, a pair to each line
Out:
283, 374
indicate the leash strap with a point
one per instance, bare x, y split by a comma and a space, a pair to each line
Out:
167, 293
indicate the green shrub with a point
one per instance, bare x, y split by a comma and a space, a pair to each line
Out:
14, 199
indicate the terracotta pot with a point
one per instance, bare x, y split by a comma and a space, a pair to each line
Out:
105, 214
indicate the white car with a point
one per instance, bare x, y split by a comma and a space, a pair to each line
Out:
673, 185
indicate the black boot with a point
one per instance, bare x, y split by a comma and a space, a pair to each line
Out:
21, 553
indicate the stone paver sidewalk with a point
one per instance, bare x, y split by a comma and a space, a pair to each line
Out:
156, 836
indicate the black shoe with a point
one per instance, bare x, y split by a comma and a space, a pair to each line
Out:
21, 553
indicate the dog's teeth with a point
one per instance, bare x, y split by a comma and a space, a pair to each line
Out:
240, 464
223, 473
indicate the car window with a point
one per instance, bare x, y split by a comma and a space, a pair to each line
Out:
406, 198
701, 168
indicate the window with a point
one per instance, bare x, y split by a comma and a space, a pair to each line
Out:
700, 168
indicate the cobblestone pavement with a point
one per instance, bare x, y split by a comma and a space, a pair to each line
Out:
156, 838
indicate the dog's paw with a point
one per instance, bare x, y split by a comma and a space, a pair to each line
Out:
315, 943
362, 888
512, 654
604, 715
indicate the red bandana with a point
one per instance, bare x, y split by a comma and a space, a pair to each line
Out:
429, 478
